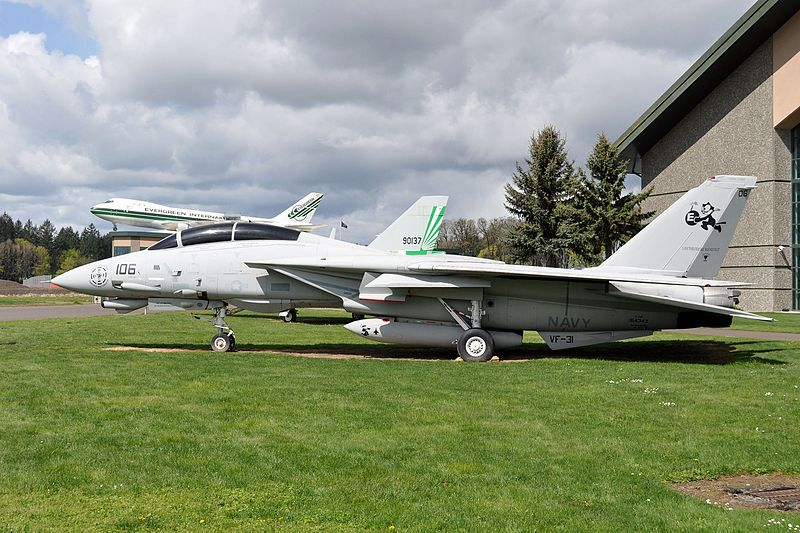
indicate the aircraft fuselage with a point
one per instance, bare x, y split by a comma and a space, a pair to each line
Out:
222, 272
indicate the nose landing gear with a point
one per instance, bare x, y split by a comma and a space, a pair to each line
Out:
225, 339
223, 342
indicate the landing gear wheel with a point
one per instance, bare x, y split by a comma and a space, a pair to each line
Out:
221, 343
224, 340
476, 345
290, 316
358, 316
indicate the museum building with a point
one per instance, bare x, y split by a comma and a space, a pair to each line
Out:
737, 111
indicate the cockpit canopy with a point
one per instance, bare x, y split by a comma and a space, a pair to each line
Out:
227, 231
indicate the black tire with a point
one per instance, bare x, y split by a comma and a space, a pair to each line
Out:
290, 316
476, 345
232, 338
221, 343
358, 316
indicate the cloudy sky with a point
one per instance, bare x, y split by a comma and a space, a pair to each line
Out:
245, 105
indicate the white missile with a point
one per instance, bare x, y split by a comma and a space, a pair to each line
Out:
423, 333
138, 287
123, 305
187, 293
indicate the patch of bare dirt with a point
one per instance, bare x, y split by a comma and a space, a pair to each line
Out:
365, 353
779, 492
148, 349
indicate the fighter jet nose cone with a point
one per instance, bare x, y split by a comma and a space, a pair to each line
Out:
68, 280
86, 279
58, 280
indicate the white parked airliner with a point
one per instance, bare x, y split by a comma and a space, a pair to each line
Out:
163, 217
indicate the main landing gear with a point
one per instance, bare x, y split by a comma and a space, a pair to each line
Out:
475, 344
289, 316
225, 339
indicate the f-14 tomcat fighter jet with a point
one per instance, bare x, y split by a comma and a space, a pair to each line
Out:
656, 281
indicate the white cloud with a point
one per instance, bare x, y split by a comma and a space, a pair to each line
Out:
244, 106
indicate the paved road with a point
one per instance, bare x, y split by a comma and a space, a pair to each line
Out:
34, 312
762, 335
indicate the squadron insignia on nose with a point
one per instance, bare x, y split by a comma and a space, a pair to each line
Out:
98, 276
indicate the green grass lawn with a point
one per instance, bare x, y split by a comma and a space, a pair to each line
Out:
93, 439
783, 322
45, 299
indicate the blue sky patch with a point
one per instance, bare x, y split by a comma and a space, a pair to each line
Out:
15, 18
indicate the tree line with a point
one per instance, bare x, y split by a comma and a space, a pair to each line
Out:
560, 215
29, 250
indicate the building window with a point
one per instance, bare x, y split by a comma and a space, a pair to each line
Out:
796, 218
121, 250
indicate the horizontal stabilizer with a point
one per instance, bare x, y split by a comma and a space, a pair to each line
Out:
615, 290
561, 340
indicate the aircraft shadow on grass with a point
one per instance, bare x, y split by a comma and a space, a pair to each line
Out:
310, 320
693, 352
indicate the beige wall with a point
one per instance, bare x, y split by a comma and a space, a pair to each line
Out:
136, 243
731, 132
786, 77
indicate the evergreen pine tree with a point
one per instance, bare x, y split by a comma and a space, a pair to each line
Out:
45, 234
104, 246
601, 216
533, 197
6, 227
91, 243
27, 232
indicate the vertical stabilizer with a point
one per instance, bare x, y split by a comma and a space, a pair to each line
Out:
301, 212
417, 230
692, 236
